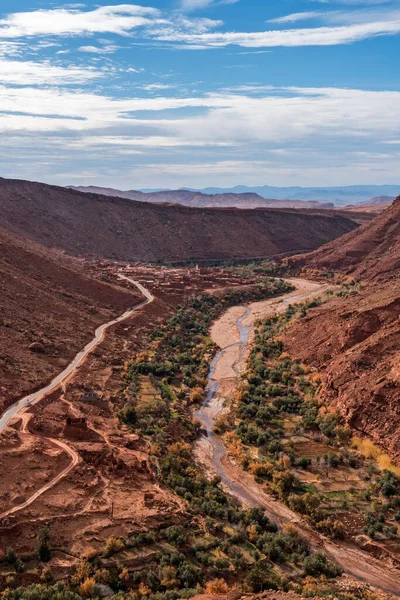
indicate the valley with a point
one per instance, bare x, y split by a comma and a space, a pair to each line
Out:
126, 474
189, 440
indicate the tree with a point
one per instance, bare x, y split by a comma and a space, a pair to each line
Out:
318, 564
169, 577
44, 551
217, 586
261, 578
86, 589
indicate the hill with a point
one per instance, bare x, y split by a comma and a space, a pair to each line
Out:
355, 341
373, 251
379, 201
340, 195
49, 311
200, 200
117, 228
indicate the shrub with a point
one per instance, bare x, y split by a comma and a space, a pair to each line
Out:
216, 586
318, 564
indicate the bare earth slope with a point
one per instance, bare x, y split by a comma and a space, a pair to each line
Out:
49, 310
89, 224
355, 341
372, 251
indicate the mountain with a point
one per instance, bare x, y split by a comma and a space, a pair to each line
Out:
342, 195
354, 342
200, 200
49, 310
97, 225
372, 252
379, 201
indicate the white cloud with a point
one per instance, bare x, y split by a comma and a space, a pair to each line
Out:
289, 115
318, 36
294, 17
345, 27
119, 19
106, 49
34, 73
189, 5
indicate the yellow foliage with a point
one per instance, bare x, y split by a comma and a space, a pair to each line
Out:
169, 578
82, 571
217, 586
102, 576
114, 545
235, 446
86, 589
253, 533
89, 553
285, 462
179, 449
197, 395
144, 590
124, 575
155, 450
370, 450
261, 469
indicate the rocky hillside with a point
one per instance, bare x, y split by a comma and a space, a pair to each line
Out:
49, 310
201, 200
370, 252
95, 225
355, 341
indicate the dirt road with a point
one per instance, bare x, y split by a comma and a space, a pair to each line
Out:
20, 408
234, 333
14, 410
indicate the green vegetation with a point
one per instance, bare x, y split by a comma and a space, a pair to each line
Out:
283, 433
217, 544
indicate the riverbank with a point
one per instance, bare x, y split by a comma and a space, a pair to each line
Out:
212, 454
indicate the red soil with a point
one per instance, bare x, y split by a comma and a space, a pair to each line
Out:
90, 224
355, 341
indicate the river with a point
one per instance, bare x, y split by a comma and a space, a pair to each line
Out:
211, 451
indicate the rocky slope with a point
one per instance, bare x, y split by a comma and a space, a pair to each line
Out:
355, 341
371, 252
49, 310
90, 224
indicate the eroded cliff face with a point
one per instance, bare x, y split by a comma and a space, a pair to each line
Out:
355, 342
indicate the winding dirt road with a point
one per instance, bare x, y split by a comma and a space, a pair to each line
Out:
237, 335
16, 409
20, 408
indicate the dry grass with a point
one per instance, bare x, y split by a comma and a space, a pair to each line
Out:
148, 393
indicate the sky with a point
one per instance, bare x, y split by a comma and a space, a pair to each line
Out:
198, 93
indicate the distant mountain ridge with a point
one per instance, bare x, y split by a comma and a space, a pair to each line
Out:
379, 201
340, 195
200, 200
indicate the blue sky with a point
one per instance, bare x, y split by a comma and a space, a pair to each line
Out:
171, 93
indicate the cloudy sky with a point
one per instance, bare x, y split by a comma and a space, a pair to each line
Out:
171, 93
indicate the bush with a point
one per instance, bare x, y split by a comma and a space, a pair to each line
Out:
217, 586
318, 564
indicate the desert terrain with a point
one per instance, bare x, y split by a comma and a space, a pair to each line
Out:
110, 468
120, 229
